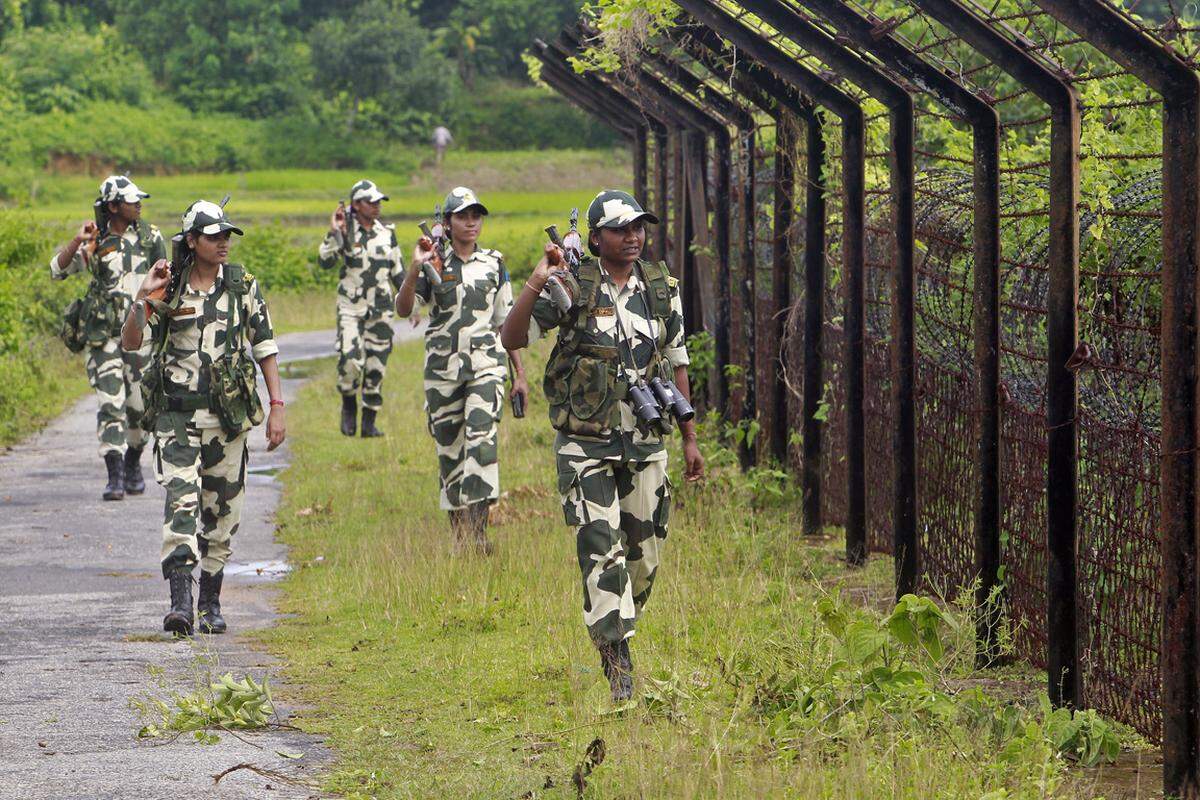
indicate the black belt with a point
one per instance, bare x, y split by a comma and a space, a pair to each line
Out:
187, 402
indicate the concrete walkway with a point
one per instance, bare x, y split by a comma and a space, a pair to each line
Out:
81, 605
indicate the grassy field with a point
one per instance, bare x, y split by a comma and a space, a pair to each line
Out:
285, 214
766, 669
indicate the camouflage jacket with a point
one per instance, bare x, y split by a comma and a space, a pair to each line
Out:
468, 308
640, 330
196, 338
370, 274
120, 262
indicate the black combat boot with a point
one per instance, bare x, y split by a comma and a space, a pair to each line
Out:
614, 660
208, 604
477, 513
368, 424
349, 414
115, 490
179, 619
134, 482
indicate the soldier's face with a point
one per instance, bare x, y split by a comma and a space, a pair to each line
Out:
367, 210
621, 245
126, 212
465, 226
211, 248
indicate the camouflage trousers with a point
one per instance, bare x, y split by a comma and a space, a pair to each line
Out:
363, 345
464, 418
115, 376
204, 473
619, 510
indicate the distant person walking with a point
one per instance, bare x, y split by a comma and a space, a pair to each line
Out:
117, 250
441, 140
371, 271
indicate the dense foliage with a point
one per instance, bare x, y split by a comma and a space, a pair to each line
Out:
171, 85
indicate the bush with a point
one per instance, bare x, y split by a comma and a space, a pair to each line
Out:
505, 116
278, 262
60, 70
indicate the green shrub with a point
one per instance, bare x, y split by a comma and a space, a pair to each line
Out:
504, 116
62, 69
279, 262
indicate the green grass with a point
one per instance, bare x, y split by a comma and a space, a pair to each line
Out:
435, 675
286, 215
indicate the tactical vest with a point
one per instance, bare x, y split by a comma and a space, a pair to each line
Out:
232, 394
95, 318
584, 383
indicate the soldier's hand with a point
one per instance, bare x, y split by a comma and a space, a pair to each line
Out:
520, 386
693, 461
337, 222
552, 259
159, 277
87, 231
276, 428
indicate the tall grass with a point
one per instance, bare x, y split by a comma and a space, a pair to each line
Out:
435, 675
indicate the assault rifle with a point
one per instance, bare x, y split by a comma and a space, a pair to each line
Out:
572, 249
345, 237
433, 239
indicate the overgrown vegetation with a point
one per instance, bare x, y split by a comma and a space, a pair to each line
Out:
167, 86
766, 669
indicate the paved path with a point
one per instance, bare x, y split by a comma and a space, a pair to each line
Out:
81, 604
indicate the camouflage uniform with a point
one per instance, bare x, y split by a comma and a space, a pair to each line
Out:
465, 371
201, 465
370, 276
118, 266
614, 487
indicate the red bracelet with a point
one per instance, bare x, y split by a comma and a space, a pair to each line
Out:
277, 403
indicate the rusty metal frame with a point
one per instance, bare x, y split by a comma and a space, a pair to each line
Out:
999, 44
898, 101
705, 121
743, 119
873, 36
664, 125
1118, 38
775, 96
854, 212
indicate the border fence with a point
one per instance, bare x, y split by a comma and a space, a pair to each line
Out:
947, 251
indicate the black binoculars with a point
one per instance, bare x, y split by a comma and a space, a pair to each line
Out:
649, 402
669, 397
645, 406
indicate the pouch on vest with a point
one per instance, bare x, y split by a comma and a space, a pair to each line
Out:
233, 393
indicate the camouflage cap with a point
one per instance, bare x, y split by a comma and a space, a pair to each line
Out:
613, 208
119, 188
207, 218
460, 199
366, 190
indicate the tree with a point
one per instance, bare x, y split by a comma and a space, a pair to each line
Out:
225, 55
381, 55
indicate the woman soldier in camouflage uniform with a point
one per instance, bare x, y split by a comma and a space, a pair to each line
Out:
200, 391
464, 365
624, 328
124, 251
371, 268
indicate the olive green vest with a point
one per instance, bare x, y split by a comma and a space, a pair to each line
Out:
584, 383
